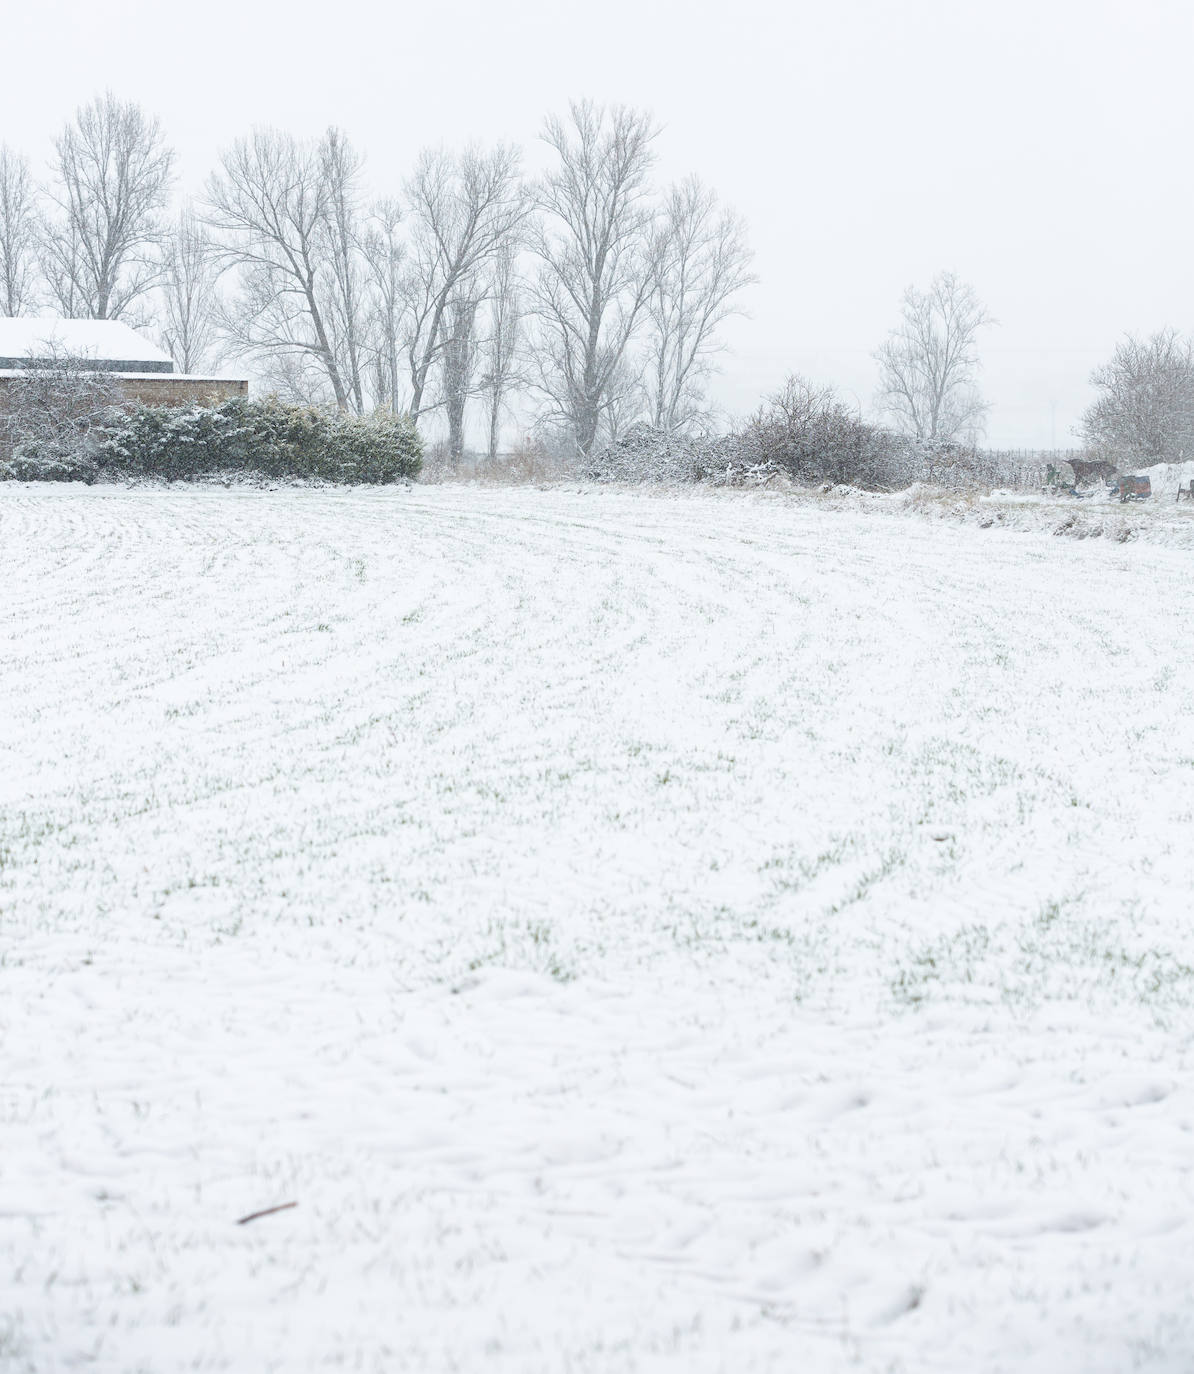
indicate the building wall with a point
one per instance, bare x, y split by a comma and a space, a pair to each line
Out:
165, 390
182, 391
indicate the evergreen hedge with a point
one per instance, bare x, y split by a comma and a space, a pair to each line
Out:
264, 436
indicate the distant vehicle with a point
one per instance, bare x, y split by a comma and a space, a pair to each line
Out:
1134, 488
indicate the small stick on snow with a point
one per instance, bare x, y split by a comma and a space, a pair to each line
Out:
267, 1212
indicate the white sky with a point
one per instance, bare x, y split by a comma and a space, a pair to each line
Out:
1038, 148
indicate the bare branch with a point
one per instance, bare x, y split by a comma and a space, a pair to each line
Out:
384, 255
928, 364
51, 406
112, 176
282, 212
699, 263
594, 273
189, 276
18, 234
502, 353
1145, 409
463, 210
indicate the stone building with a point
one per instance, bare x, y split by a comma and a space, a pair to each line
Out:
144, 372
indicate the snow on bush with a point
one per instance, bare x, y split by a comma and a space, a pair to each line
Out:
809, 435
266, 436
647, 454
63, 425
49, 414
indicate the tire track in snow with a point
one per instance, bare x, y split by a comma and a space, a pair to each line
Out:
295, 761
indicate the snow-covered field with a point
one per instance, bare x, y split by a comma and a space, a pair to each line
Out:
706, 932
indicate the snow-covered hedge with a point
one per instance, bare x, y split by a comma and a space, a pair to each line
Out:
239, 435
265, 436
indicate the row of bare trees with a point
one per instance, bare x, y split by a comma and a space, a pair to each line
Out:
1143, 411
583, 295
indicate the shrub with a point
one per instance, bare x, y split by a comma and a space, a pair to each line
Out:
382, 447
803, 432
49, 416
647, 454
812, 436
264, 436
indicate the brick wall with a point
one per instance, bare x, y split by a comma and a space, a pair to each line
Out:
181, 391
167, 390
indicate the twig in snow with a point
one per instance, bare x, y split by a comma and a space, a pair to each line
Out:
267, 1212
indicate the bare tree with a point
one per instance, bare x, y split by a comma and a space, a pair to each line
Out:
624, 405
594, 272
699, 264
1145, 409
462, 211
929, 362
296, 378
112, 175
501, 357
63, 270
459, 363
18, 234
347, 297
273, 205
385, 266
189, 277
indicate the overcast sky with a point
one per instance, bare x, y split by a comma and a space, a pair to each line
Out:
1038, 148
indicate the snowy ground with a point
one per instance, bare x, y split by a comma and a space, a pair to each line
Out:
706, 932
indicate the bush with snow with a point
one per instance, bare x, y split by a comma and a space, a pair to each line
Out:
49, 414
808, 435
264, 436
803, 432
645, 453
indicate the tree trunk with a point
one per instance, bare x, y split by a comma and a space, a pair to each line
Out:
495, 406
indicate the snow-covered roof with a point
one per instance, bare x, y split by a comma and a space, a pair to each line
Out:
106, 341
158, 376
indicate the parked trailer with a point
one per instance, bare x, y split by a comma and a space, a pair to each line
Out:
1134, 488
